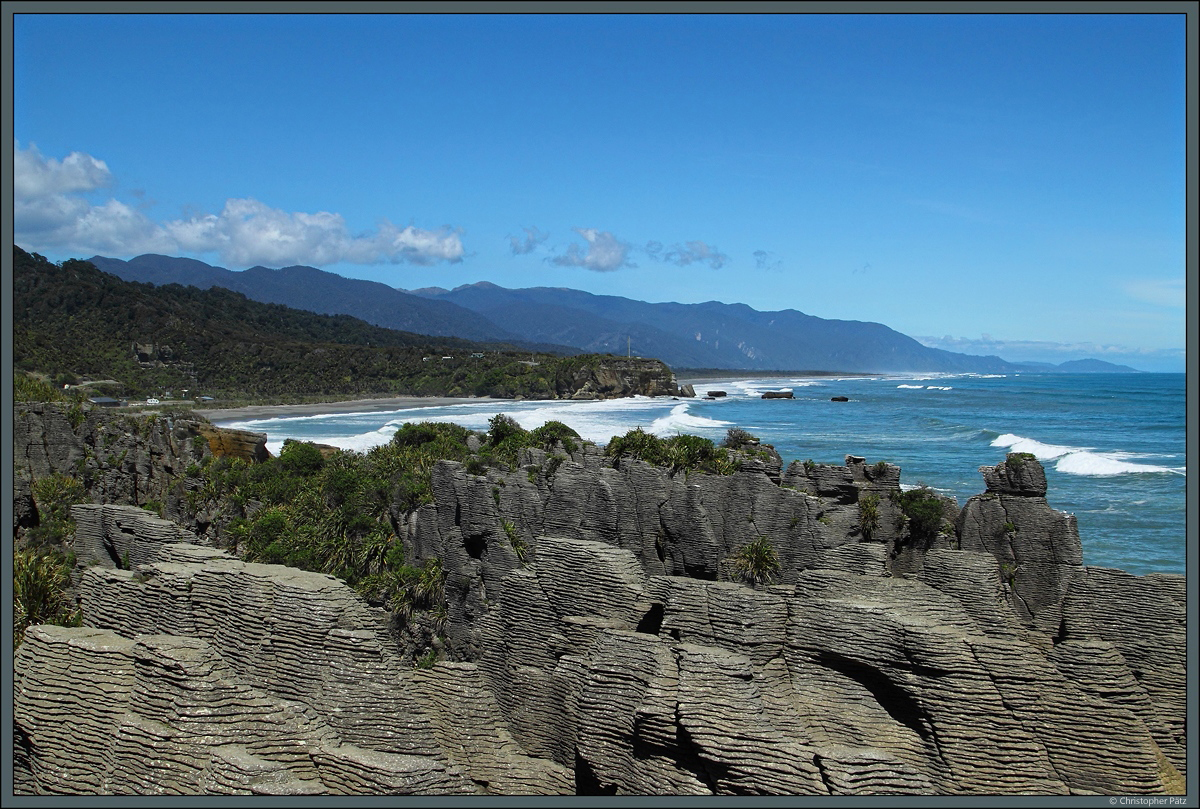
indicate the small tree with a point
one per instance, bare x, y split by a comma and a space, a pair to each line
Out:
503, 427
736, 438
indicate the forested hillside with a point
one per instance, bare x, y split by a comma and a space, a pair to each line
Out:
72, 320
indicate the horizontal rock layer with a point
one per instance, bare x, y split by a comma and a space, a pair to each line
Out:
621, 657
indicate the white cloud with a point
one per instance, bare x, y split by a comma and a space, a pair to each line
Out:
1161, 292
35, 176
605, 253
250, 232
696, 251
533, 237
49, 214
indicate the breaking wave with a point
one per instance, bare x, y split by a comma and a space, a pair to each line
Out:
1082, 460
679, 420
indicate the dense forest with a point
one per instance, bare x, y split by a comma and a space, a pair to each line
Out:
71, 321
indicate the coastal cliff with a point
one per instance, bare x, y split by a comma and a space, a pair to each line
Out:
126, 459
596, 637
610, 377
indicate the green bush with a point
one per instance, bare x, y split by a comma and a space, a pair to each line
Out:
868, 514
519, 546
678, 453
54, 496
28, 388
39, 591
637, 443
736, 438
554, 432
503, 427
924, 510
301, 457
757, 562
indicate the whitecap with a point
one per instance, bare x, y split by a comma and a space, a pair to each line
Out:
1100, 465
1082, 460
680, 420
359, 442
912, 387
940, 387
1043, 452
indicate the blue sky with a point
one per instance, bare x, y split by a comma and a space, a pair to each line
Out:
1003, 184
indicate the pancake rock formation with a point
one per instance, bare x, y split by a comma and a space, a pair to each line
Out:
621, 651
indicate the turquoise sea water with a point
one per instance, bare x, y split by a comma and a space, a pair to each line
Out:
1113, 444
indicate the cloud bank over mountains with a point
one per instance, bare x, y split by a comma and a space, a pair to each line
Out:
51, 212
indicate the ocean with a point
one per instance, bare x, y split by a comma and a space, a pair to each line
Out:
1113, 445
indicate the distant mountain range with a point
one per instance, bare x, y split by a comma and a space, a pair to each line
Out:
703, 335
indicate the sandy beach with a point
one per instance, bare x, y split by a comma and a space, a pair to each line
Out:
220, 415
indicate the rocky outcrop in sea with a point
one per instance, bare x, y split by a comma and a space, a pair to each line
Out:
598, 638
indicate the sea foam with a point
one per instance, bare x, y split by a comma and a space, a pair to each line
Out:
1082, 460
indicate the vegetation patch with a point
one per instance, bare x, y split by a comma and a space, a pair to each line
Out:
737, 438
54, 497
756, 562
40, 580
678, 453
923, 510
868, 514
1015, 460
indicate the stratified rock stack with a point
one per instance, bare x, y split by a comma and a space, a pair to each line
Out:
611, 377
1037, 547
202, 647
123, 458
614, 651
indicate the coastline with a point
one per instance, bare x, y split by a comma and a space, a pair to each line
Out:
375, 404
250, 412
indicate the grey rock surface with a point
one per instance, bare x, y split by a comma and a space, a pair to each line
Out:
621, 655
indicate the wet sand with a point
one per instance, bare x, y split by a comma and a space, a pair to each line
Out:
220, 415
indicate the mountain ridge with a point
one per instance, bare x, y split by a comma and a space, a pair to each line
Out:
712, 334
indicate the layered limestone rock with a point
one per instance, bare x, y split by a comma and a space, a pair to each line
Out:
611, 650
612, 377
1038, 548
206, 654
119, 458
228, 442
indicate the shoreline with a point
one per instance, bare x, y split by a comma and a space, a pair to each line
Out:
376, 404
253, 412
